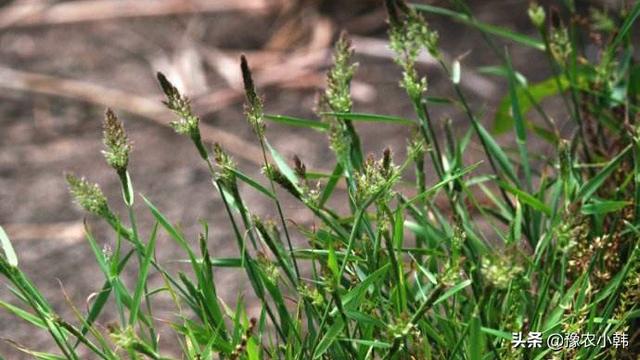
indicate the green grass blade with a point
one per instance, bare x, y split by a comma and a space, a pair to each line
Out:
142, 276
527, 198
497, 333
373, 118
521, 131
298, 122
590, 187
598, 207
336, 175
23, 314
486, 28
253, 183
282, 165
452, 291
497, 153
231, 262
171, 230
330, 337
354, 296
504, 119
627, 25
476, 339
12, 258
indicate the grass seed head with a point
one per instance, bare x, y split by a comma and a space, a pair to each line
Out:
311, 294
408, 36
310, 193
338, 93
300, 168
339, 141
225, 165
269, 268
88, 195
274, 174
560, 44
375, 176
536, 14
254, 108
601, 20
500, 271
181, 105
416, 147
116, 142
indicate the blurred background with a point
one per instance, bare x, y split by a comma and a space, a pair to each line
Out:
63, 62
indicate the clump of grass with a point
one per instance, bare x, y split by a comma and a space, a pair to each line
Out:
402, 274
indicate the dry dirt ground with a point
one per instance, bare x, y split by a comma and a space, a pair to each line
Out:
47, 129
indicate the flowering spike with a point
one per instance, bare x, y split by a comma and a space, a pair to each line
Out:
188, 123
386, 161
167, 87
300, 168
409, 34
274, 174
88, 195
181, 106
254, 107
249, 87
226, 166
338, 93
376, 175
536, 14
116, 142
499, 271
560, 44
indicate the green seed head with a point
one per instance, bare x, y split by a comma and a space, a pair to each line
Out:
124, 338
187, 124
311, 294
338, 93
416, 147
607, 76
536, 14
87, 195
116, 142
500, 271
338, 139
601, 20
254, 108
224, 162
408, 36
401, 327
375, 176
412, 83
268, 267
560, 45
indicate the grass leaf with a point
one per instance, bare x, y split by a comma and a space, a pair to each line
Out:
12, 258
590, 187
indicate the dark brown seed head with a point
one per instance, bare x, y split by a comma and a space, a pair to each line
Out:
167, 87
300, 168
249, 87
386, 160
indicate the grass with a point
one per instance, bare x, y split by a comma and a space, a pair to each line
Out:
451, 269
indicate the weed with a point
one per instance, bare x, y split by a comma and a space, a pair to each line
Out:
560, 256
